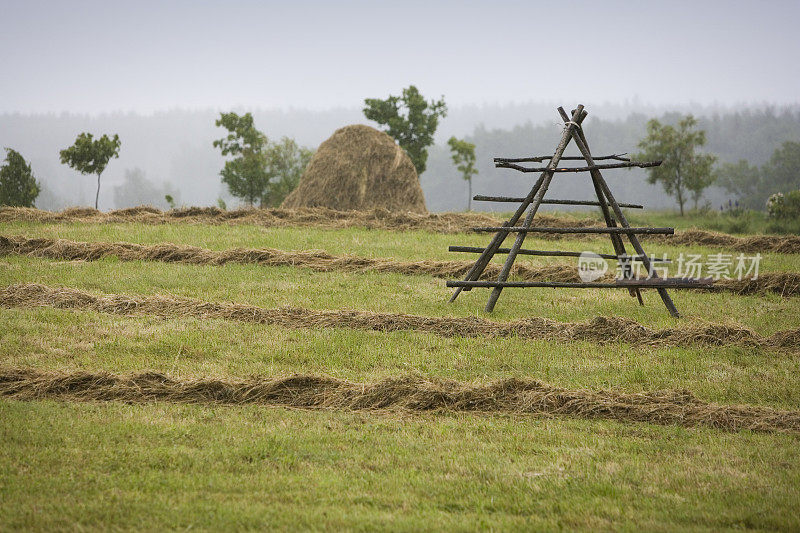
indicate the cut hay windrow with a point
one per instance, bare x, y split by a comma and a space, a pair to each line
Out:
410, 394
321, 217
317, 217
599, 329
783, 283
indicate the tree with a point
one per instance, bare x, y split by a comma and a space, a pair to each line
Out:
18, 187
463, 155
137, 190
260, 170
410, 120
88, 156
286, 163
782, 172
743, 180
245, 174
683, 168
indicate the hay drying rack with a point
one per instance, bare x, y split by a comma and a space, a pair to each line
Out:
605, 200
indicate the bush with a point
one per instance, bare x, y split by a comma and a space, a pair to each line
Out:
784, 207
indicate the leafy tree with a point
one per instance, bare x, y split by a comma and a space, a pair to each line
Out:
18, 187
260, 170
463, 155
782, 171
744, 181
753, 186
286, 163
684, 169
246, 174
410, 120
137, 190
89, 156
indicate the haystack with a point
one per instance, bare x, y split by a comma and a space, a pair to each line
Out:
359, 168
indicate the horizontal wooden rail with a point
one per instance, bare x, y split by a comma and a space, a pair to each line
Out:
516, 199
633, 231
651, 283
553, 253
629, 164
541, 158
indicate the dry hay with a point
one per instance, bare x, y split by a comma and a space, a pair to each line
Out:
359, 168
406, 394
781, 244
317, 217
321, 217
598, 330
783, 283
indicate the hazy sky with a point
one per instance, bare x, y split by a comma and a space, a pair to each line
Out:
93, 56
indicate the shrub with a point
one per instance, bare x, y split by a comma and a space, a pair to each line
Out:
784, 206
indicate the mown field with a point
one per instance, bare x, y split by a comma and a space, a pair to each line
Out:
73, 459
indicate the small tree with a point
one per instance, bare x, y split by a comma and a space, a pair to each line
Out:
245, 174
286, 163
89, 156
684, 169
18, 187
463, 155
410, 120
782, 171
260, 170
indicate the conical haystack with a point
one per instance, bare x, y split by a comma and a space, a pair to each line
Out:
359, 168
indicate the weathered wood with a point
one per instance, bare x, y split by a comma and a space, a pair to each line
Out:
553, 253
481, 263
518, 199
580, 141
542, 158
566, 136
650, 283
630, 164
543, 229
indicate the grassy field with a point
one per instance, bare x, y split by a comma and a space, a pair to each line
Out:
158, 465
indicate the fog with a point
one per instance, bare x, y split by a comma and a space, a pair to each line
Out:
159, 73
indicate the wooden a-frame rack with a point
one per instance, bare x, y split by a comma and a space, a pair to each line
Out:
608, 205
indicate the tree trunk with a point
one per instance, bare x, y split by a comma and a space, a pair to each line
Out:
97, 195
469, 198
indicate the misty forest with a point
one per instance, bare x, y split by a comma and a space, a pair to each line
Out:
169, 155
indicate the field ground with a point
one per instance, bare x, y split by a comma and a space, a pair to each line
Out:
158, 465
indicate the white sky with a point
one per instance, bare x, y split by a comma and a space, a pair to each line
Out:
96, 56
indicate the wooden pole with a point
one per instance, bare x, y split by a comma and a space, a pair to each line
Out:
616, 240
569, 128
481, 263
632, 164
518, 199
580, 142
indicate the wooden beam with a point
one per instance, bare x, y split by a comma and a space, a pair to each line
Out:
625, 230
651, 283
542, 158
630, 164
518, 199
569, 128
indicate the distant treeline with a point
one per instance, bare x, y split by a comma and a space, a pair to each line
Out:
172, 153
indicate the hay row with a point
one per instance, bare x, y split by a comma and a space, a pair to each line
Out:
321, 217
783, 283
599, 329
407, 394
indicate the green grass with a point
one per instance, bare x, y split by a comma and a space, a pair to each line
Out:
155, 467
158, 466
395, 293
67, 340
